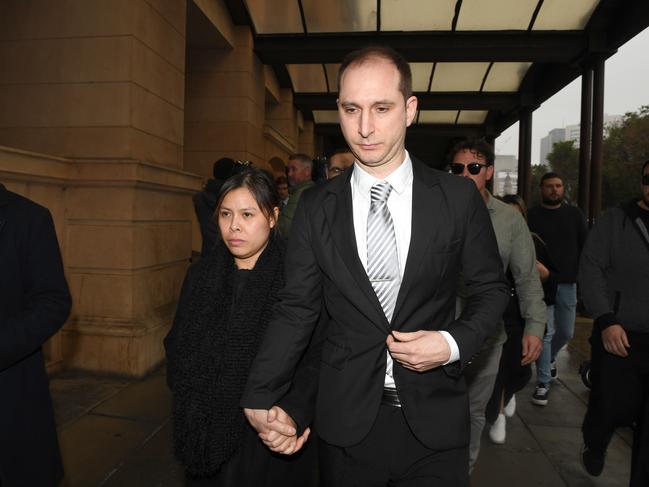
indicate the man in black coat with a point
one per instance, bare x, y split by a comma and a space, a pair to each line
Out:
382, 247
34, 304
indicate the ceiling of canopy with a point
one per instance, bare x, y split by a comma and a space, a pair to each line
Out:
475, 63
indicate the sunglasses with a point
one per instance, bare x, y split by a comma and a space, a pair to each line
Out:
645, 179
473, 167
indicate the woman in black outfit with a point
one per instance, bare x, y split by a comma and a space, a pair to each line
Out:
224, 308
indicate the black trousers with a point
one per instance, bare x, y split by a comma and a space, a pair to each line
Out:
512, 376
253, 465
620, 397
390, 455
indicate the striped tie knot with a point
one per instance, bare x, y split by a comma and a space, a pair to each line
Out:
380, 192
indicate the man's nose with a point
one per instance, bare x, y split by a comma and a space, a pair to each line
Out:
366, 125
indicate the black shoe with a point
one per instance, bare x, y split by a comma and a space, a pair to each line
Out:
553, 370
592, 460
540, 396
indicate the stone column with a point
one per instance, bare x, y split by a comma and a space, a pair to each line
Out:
225, 101
98, 87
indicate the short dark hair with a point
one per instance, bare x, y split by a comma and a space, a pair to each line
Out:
259, 183
303, 158
514, 199
480, 146
281, 180
360, 56
644, 166
549, 175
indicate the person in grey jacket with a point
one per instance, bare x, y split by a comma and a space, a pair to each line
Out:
474, 159
614, 283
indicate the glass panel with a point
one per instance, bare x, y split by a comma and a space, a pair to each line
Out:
437, 116
339, 15
276, 17
562, 15
472, 116
458, 76
413, 15
496, 14
307, 78
325, 116
420, 75
332, 76
506, 76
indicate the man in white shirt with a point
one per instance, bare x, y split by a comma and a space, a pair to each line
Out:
379, 251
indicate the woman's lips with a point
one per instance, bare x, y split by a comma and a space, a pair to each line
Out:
236, 242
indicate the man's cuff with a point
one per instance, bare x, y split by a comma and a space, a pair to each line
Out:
606, 320
455, 351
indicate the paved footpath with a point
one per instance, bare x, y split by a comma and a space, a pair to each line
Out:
116, 432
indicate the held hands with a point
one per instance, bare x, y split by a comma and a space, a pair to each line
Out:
276, 429
615, 340
532, 346
420, 350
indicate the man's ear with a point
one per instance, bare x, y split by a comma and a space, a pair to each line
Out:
490, 172
411, 110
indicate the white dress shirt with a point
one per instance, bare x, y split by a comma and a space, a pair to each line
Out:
400, 206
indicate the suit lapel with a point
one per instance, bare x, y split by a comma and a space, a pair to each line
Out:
425, 201
339, 214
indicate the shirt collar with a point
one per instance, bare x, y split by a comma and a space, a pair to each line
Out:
400, 179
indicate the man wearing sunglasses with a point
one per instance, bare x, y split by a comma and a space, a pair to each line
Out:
474, 159
614, 283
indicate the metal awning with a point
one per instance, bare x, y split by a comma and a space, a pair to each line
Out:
476, 64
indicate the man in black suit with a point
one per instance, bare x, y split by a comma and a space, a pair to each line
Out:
380, 249
34, 304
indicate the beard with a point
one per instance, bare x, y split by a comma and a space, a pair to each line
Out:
552, 200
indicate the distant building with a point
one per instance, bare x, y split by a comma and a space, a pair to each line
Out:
505, 175
570, 132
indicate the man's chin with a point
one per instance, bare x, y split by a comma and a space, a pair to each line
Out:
552, 202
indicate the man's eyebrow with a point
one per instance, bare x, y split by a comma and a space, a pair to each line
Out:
378, 102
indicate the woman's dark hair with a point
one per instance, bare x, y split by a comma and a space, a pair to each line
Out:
259, 183
514, 199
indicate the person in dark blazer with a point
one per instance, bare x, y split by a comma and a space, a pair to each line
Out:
34, 304
392, 406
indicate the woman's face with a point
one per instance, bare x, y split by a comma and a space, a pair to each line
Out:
244, 227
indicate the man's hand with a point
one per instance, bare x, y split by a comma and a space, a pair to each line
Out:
615, 340
279, 442
420, 350
277, 429
532, 346
259, 419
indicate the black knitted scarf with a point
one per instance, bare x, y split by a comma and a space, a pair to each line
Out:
217, 337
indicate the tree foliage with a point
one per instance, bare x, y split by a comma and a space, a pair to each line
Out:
625, 149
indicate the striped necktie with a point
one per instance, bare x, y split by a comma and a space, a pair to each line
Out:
382, 257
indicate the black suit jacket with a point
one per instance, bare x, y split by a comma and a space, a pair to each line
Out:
34, 304
451, 233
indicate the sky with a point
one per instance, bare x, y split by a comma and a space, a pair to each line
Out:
626, 88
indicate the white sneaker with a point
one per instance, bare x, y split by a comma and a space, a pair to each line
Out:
497, 432
510, 408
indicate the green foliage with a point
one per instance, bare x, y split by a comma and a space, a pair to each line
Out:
625, 149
